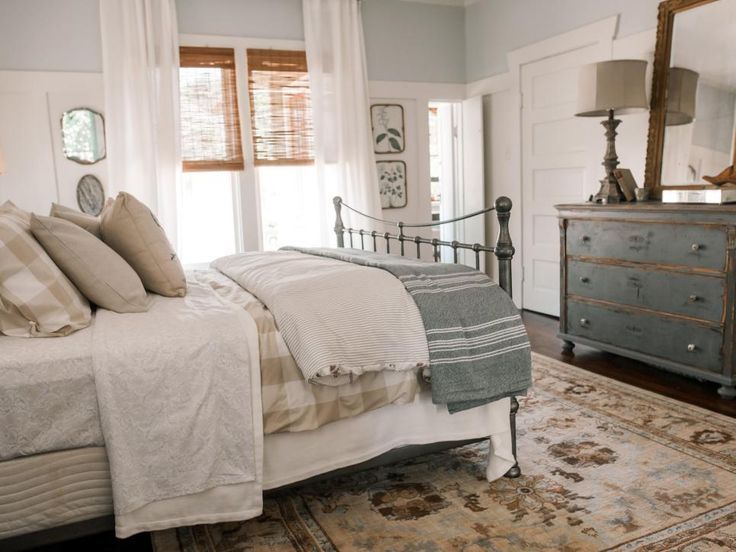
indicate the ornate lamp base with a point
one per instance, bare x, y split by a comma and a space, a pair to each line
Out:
610, 191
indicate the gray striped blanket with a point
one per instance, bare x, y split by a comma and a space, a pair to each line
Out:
478, 347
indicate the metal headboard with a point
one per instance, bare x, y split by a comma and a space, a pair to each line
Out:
503, 250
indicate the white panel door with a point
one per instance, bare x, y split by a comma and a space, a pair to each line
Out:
557, 149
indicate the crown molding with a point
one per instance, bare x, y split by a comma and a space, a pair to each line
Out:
451, 3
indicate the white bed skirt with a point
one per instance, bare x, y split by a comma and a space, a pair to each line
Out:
49, 490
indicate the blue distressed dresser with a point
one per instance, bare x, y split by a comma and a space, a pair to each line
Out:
653, 282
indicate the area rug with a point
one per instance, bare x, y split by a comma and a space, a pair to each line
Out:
606, 466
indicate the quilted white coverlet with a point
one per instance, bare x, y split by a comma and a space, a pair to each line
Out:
332, 336
179, 400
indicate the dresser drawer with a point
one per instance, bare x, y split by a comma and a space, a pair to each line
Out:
661, 337
675, 244
690, 295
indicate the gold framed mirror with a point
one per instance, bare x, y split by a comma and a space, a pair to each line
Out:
692, 120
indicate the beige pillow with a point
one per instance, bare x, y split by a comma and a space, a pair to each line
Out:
99, 273
131, 229
88, 222
19, 216
36, 299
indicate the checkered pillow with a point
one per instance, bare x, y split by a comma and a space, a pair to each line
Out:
36, 299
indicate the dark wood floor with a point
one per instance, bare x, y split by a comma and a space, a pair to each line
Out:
543, 334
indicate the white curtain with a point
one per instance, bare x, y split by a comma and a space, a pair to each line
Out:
338, 80
140, 57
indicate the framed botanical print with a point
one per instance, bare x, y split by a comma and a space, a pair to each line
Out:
387, 121
392, 183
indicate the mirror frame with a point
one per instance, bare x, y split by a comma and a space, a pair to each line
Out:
658, 103
104, 136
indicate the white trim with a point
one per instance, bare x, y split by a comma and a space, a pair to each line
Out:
489, 85
239, 42
417, 90
450, 3
58, 81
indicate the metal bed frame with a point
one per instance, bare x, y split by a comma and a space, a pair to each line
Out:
503, 250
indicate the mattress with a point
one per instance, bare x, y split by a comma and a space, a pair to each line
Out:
59, 488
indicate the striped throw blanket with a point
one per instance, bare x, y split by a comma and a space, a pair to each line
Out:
478, 347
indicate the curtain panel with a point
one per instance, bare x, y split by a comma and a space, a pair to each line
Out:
343, 144
140, 58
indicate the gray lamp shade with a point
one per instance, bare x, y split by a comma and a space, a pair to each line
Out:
2, 162
682, 85
616, 84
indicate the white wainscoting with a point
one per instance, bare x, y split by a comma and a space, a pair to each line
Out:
31, 105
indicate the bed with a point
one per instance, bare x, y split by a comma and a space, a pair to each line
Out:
55, 478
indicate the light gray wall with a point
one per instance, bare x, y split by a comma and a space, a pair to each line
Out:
50, 35
405, 41
411, 41
495, 27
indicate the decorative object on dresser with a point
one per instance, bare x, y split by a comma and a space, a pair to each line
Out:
387, 122
605, 89
627, 183
652, 282
692, 111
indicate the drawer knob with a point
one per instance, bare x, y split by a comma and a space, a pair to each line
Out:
585, 238
693, 298
695, 247
691, 348
584, 321
584, 279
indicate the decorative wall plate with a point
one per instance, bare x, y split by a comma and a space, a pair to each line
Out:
387, 121
392, 183
90, 195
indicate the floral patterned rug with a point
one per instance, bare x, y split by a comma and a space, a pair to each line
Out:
606, 466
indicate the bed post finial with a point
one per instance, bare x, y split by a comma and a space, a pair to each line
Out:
504, 248
339, 226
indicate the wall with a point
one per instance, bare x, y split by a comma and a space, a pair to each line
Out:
405, 41
31, 104
495, 27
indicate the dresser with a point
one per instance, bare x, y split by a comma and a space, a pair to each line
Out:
652, 282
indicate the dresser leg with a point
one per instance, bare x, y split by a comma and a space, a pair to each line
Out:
727, 391
567, 346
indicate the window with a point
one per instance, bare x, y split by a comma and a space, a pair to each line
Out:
283, 147
210, 121
281, 109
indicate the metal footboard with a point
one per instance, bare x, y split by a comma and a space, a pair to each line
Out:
503, 250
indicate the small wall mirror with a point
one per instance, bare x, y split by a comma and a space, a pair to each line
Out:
83, 135
693, 116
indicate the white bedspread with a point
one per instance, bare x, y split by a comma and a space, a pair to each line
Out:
179, 399
332, 336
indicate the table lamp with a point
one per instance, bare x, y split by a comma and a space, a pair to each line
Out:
682, 86
606, 88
